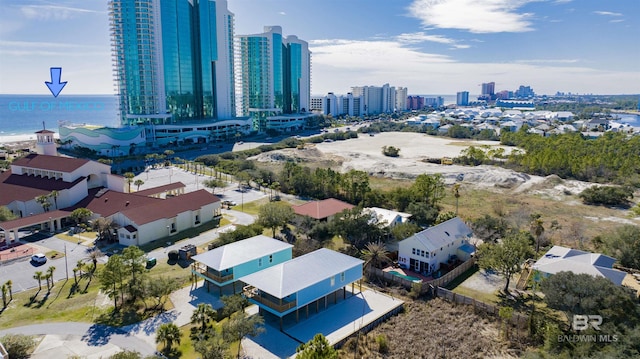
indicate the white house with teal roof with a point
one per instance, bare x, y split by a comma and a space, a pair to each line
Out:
223, 266
311, 280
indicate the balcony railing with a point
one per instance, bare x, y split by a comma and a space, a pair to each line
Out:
254, 294
215, 278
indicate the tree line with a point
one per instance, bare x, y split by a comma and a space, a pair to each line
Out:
612, 157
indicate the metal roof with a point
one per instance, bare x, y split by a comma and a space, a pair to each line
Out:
301, 272
440, 235
561, 259
236, 253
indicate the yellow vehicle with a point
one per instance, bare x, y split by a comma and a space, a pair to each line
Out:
446, 161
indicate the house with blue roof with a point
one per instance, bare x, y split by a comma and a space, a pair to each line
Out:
310, 280
426, 251
223, 266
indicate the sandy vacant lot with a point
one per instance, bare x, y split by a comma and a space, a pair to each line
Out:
365, 154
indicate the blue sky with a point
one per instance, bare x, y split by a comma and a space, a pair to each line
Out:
429, 46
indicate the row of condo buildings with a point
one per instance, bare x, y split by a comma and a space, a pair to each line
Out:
488, 93
184, 76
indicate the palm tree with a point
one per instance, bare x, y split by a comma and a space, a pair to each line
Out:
138, 183
44, 202
10, 287
129, 178
54, 194
203, 314
50, 271
94, 255
456, 194
77, 270
38, 276
375, 254
4, 296
537, 229
168, 333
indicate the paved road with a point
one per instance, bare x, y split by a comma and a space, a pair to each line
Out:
21, 271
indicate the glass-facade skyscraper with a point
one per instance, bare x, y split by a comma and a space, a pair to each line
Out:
274, 76
173, 60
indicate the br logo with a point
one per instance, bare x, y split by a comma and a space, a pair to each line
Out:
582, 322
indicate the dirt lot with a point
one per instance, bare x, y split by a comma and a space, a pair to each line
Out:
365, 154
485, 189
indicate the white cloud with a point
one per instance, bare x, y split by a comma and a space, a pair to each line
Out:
282, 13
418, 37
51, 12
607, 13
339, 64
478, 16
35, 48
616, 20
548, 61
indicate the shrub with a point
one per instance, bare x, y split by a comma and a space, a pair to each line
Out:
416, 290
390, 151
607, 195
383, 346
18, 345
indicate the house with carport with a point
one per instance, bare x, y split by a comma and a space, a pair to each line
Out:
311, 281
426, 251
222, 267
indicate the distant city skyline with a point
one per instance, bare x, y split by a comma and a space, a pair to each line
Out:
428, 46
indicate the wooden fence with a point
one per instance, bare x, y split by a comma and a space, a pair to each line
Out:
518, 319
425, 285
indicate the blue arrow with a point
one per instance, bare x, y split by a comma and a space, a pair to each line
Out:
55, 86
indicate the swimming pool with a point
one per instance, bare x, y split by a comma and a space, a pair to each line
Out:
407, 277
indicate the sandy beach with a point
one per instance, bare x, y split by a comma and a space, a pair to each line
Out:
15, 142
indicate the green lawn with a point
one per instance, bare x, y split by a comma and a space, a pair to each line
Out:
478, 295
35, 306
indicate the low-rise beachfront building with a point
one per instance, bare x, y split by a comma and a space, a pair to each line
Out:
223, 266
43, 189
309, 280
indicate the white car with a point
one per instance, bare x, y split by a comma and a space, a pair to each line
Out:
39, 258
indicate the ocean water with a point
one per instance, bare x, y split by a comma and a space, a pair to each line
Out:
25, 114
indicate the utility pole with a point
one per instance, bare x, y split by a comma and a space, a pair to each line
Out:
66, 261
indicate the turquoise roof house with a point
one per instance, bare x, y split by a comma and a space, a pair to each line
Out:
223, 266
308, 280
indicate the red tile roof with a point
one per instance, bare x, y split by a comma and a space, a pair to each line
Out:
170, 207
24, 187
112, 202
33, 220
160, 189
51, 163
322, 209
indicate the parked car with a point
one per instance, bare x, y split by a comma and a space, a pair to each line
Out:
39, 258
